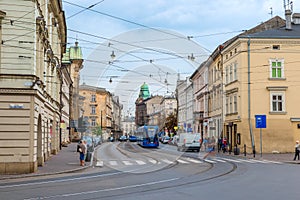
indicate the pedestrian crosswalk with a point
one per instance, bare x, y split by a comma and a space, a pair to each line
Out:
184, 161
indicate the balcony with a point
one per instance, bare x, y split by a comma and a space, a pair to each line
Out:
198, 116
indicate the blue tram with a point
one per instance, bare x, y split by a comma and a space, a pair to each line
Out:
147, 136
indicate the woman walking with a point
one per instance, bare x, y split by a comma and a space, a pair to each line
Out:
82, 152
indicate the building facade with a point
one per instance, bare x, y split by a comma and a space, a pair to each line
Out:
31, 81
73, 60
260, 78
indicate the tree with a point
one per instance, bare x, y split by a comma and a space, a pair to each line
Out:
97, 130
171, 122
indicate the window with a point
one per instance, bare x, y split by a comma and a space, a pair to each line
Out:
93, 122
235, 71
93, 111
277, 103
227, 107
93, 98
276, 47
226, 75
230, 74
235, 104
276, 69
230, 104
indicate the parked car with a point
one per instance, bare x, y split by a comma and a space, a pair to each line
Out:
111, 139
189, 141
132, 138
122, 138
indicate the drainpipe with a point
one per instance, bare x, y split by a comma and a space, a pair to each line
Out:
249, 102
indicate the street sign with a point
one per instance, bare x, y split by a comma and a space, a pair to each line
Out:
260, 121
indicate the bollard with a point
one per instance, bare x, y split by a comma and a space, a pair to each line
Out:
245, 151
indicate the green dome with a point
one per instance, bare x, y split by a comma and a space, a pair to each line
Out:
144, 91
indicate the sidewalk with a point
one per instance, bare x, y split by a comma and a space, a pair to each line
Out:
277, 157
66, 161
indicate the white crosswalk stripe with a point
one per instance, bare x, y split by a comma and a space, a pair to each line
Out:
126, 162
152, 161
182, 161
113, 163
210, 161
218, 160
231, 160
140, 162
194, 161
167, 161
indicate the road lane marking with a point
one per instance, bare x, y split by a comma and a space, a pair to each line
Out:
102, 190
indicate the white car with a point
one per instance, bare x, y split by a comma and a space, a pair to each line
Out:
189, 141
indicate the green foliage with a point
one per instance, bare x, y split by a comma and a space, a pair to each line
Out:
97, 130
171, 122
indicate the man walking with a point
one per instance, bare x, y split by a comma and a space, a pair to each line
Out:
297, 150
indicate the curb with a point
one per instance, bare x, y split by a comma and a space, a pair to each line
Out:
19, 176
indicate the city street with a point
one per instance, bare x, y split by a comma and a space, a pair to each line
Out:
130, 172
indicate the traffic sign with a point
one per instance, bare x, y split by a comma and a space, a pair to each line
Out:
260, 121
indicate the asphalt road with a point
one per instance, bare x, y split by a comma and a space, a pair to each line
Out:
130, 172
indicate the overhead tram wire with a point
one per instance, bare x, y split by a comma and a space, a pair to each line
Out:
132, 45
142, 59
128, 21
91, 6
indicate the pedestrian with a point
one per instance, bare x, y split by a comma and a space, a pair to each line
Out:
224, 145
220, 141
205, 141
82, 152
297, 150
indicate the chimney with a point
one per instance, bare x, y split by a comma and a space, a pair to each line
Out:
288, 19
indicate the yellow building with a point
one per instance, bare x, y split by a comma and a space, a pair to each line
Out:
31, 81
97, 106
260, 77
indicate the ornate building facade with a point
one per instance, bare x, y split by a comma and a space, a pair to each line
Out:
31, 82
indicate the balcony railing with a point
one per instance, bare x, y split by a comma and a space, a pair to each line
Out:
199, 115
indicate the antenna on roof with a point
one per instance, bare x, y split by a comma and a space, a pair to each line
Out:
288, 5
271, 12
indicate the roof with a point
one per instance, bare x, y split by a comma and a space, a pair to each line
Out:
280, 32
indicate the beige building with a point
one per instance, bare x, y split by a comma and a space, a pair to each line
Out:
261, 78
31, 83
98, 110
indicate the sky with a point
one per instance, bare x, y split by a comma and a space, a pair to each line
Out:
153, 41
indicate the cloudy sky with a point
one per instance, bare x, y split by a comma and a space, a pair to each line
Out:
96, 23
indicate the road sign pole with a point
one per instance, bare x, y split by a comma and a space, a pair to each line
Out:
260, 143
